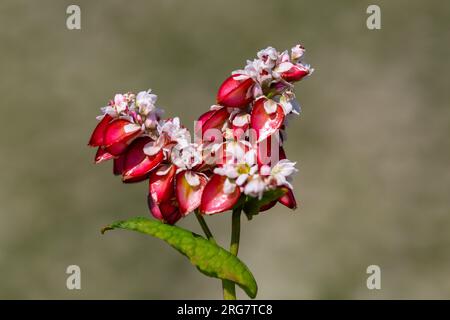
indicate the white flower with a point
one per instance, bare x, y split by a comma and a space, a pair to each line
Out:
255, 187
120, 103
268, 57
192, 178
173, 129
186, 157
282, 171
228, 186
145, 101
289, 104
297, 52
235, 150
240, 170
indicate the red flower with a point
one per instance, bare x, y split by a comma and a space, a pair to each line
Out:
266, 118
296, 73
235, 93
137, 165
214, 199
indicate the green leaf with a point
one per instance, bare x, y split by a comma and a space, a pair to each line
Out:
253, 205
209, 258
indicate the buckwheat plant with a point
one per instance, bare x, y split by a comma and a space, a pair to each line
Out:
234, 161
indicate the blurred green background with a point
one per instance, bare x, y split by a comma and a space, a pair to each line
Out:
372, 146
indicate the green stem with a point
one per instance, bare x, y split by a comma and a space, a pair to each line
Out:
229, 288
205, 227
235, 231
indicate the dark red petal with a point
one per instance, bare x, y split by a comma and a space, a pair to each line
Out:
97, 135
166, 212
118, 165
102, 155
214, 199
189, 197
137, 164
161, 186
235, 93
268, 206
263, 123
288, 199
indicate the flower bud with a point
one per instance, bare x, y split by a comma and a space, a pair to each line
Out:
213, 119
166, 212
96, 139
118, 134
188, 190
161, 186
215, 199
296, 73
266, 118
288, 199
137, 165
235, 93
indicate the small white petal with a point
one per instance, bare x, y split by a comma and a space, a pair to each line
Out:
192, 178
265, 170
241, 119
241, 179
270, 106
283, 67
229, 187
129, 128
152, 148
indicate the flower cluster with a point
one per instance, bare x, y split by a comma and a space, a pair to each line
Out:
236, 154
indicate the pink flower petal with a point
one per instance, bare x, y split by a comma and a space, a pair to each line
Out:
96, 139
235, 93
263, 123
138, 165
189, 197
161, 186
102, 155
214, 199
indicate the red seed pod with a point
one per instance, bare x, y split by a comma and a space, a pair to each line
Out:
235, 93
296, 73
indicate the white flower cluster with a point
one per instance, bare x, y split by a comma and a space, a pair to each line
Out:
267, 69
242, 171
139, 109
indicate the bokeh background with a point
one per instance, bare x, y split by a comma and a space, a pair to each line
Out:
372, 146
